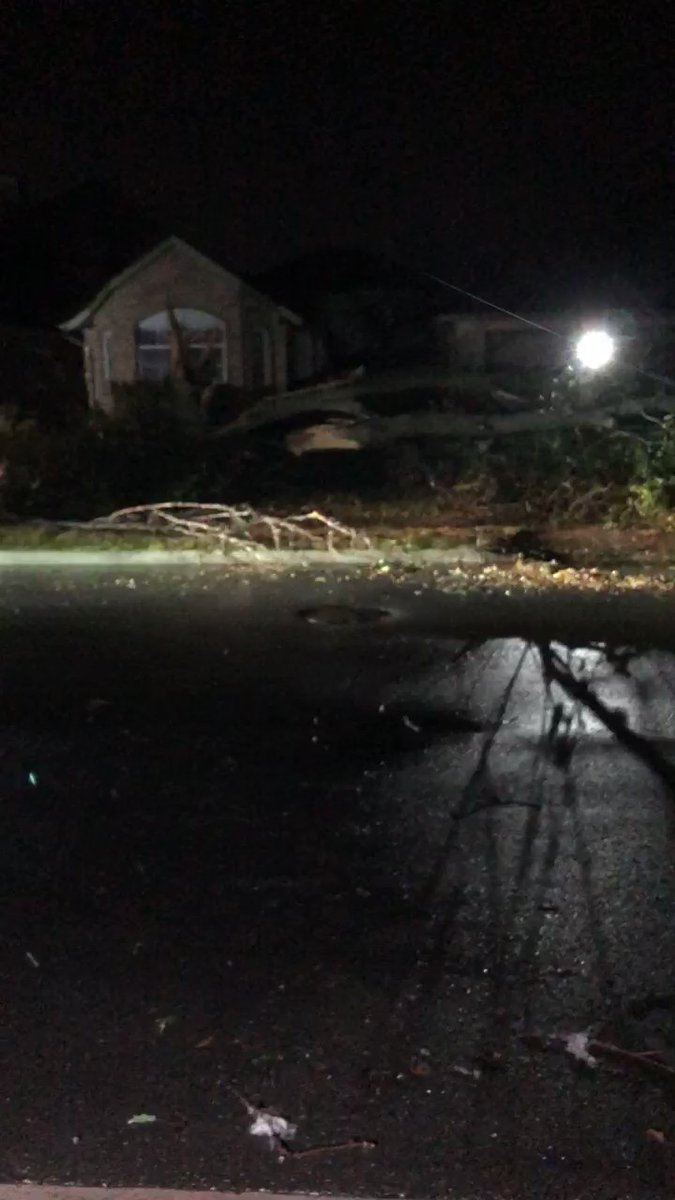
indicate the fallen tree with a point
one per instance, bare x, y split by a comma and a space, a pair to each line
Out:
338, 434
352, 423
336, 395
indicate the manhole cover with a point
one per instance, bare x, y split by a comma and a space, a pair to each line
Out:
344, 614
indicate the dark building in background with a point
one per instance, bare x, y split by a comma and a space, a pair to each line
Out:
365, 309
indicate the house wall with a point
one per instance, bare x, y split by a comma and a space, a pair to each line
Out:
490, 343
257, 315
305, 353
179, 279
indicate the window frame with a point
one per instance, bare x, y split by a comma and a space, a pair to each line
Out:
152, 336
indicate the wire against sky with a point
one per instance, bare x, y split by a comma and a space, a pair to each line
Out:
489, 304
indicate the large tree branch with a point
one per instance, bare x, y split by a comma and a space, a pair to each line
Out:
374, 430
420, 380
346, 396
336, 396
353, 426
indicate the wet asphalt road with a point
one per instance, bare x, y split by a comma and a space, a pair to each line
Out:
339, 868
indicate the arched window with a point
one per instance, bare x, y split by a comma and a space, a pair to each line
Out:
184, 342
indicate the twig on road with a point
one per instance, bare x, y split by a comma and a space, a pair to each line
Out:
316, 1151
646, 1059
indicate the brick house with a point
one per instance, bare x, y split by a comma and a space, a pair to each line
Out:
233, 334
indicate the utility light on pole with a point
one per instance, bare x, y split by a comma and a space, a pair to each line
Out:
595, 349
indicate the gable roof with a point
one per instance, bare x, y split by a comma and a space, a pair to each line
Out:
81, 319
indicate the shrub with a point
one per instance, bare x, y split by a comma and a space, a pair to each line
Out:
100, 465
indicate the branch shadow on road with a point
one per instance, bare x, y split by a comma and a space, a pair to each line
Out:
444, 893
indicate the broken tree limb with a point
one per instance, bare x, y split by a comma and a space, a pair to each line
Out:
329, 397
375, 430
393, 383
237, 526
347, 396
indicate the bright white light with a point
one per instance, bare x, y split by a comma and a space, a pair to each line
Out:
595, 349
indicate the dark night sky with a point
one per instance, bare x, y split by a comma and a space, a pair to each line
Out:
492, 144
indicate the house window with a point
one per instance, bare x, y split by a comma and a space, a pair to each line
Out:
197, 351
261, 359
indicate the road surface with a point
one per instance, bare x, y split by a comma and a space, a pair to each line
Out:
340, 869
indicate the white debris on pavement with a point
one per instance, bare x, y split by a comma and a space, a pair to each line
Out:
267, 1124
576, 1044
164, 1023
271, 1126
142, 1119
468, 1072
411, 724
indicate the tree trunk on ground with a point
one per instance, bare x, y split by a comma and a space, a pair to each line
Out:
352, 425
375, 430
